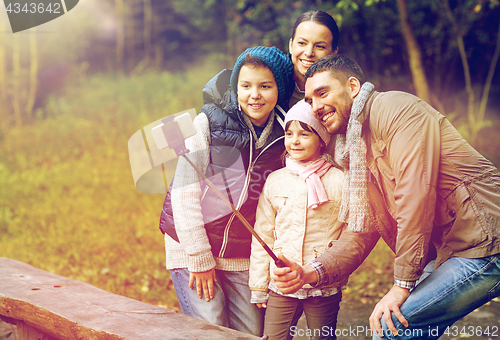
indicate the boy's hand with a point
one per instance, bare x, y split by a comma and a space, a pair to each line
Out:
204, 283
262, 305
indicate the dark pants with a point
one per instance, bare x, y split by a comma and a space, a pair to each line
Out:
283, 313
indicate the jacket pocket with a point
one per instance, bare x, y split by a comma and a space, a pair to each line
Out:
448, 208
457, 218
280, 200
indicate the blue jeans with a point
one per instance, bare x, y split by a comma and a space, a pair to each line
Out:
445, 295
230, 306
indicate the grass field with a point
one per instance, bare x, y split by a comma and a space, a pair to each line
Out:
68, 204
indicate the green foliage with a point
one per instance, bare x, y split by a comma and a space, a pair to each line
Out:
347, 5
373, 279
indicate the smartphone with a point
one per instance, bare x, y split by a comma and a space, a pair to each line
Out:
186, 128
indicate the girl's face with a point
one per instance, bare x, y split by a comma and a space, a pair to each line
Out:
257, 93
311, 42
302, 145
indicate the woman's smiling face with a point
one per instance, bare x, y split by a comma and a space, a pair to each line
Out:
311, 42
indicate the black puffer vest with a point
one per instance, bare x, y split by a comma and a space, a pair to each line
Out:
236, 168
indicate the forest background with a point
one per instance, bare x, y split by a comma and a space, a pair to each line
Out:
74, 90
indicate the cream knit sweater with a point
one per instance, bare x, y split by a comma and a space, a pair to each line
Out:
193, 249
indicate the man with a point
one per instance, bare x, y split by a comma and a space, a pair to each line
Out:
414, 181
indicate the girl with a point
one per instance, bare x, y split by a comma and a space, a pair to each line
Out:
297, 216
238, 143
315, 35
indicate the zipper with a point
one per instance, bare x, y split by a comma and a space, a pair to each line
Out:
204, 192
244, 191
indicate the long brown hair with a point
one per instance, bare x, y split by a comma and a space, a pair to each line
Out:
321, 18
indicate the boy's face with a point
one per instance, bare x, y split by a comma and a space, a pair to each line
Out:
331, 100
257, 93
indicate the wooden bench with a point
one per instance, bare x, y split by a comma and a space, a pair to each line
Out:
46, 306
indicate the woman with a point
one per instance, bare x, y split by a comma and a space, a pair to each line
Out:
238, 143
315, 35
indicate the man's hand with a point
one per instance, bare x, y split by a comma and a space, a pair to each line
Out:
291, 278
204, 283
262, 305
390, 302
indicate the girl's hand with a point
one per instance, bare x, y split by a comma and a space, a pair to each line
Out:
204, 283
291, 278
262, 305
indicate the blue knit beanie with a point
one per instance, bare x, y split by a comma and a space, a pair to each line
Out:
279, 64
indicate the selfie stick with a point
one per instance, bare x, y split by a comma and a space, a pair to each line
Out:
176, 142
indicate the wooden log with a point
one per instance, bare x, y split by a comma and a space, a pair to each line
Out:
63, 308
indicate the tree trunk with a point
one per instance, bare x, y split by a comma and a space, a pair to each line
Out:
130, 30
158, 57
16, 78
146, 38
148, 24
120, 34
4, 106
415, 57
489, 79
4, 118
473, 124
33, 82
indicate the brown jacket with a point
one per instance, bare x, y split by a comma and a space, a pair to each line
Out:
427, 184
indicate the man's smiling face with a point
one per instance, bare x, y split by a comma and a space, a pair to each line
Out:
331, 100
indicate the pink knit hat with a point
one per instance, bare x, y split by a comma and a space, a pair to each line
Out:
302, 112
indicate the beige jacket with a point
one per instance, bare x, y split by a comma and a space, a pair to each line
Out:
428, 184
287, 226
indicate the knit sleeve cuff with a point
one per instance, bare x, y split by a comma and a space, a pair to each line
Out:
201, 263
259, 296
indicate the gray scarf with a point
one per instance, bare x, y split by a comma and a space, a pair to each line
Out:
350, 153
260, 141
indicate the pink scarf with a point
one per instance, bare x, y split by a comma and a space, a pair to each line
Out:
311, 174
